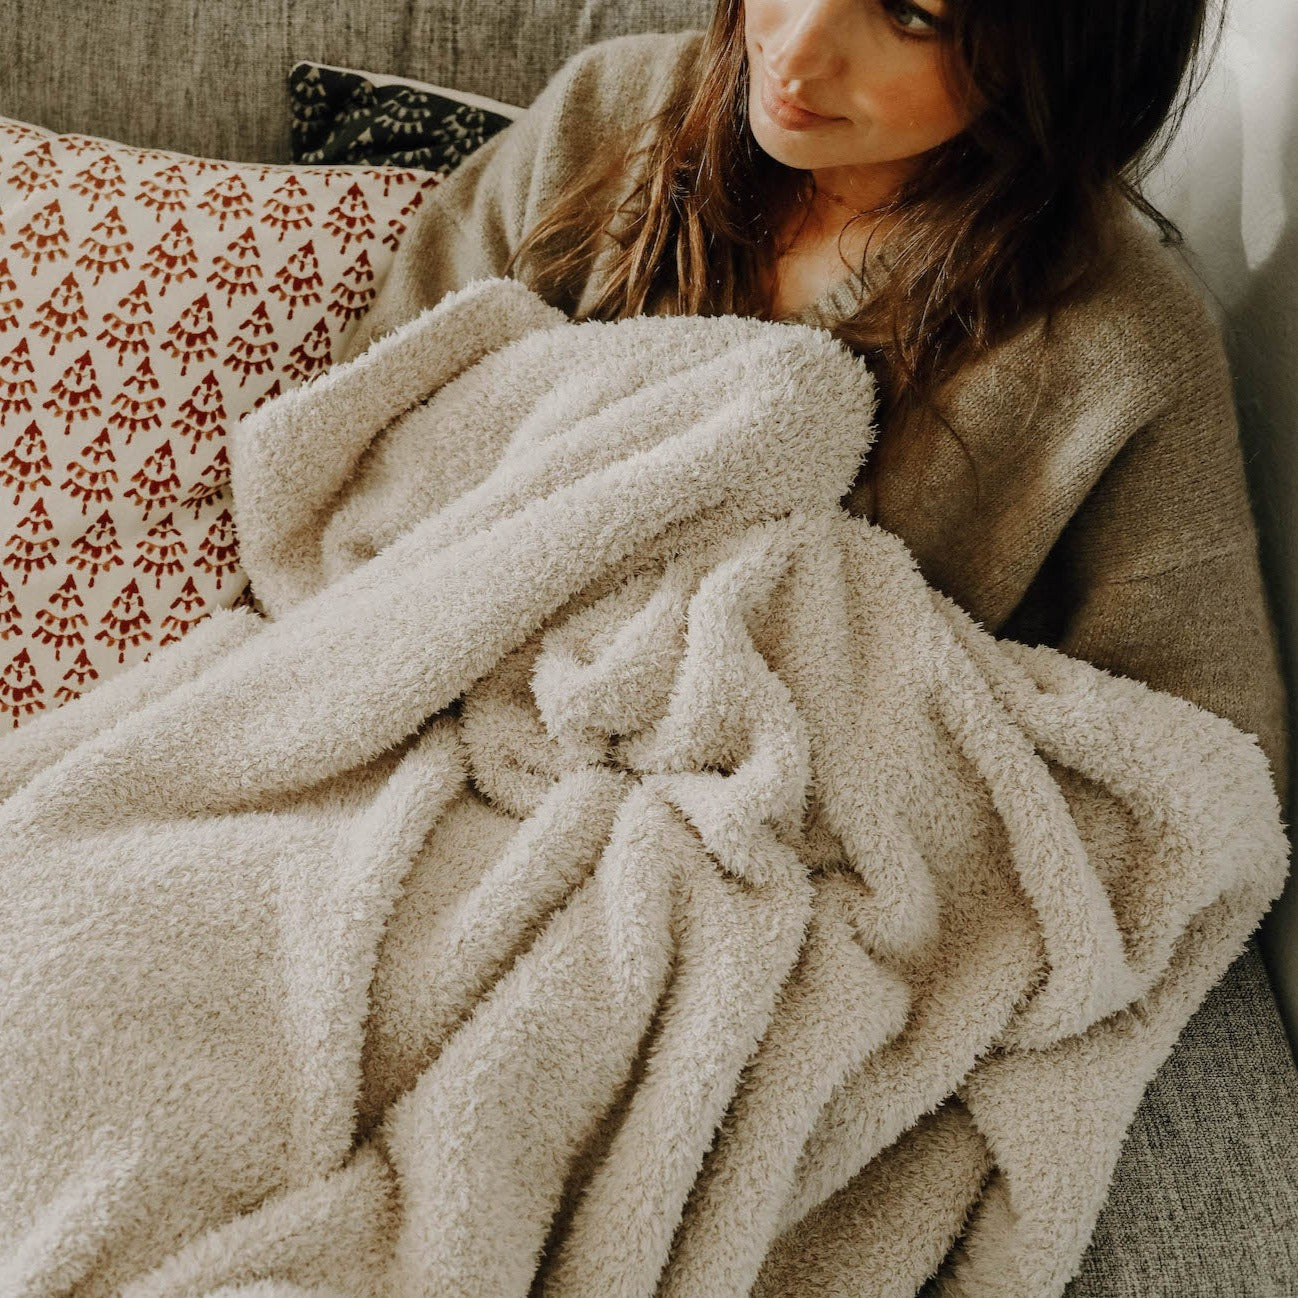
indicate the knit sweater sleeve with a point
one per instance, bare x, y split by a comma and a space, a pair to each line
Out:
1161, 564
471, 222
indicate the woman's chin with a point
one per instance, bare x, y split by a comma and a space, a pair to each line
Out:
791, 152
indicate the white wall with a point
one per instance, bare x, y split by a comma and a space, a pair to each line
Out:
1230, 182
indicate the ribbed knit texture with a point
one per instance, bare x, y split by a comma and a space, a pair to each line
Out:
1114, 521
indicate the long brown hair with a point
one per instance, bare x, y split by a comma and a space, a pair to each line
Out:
1007, 221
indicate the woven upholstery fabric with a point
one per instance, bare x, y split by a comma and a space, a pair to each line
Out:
1204, 1202
211, 78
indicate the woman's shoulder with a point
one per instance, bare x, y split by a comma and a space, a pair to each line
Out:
1146, 316
634, 49
622, 79
1141, 338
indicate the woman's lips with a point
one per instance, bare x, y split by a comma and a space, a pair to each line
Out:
786, 114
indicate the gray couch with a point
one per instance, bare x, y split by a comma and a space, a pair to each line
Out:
1205, 1198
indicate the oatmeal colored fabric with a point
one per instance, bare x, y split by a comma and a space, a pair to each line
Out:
609, 868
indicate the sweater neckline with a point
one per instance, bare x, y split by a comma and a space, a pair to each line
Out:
845, 297
835, 304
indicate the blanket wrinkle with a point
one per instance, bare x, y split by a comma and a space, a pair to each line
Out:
609, 869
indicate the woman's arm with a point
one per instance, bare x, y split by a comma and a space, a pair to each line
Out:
1201, 630
1193, 617
1157, 575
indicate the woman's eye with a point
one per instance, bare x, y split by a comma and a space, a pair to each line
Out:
910, 18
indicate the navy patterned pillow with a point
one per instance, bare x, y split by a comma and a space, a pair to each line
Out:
341, 115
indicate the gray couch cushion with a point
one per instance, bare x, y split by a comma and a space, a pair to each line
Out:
210, 78
1204, 1202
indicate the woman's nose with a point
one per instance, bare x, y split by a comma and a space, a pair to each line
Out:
806, 41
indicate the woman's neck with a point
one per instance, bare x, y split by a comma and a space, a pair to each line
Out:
863, 189
823, 223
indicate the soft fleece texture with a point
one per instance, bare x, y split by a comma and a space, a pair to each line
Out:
609, 869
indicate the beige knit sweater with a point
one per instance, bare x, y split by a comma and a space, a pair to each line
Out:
1115, 521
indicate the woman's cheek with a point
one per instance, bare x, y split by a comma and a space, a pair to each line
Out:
918, 104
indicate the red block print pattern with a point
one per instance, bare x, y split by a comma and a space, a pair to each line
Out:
149, 300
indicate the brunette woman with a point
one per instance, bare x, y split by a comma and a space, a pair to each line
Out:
952, 188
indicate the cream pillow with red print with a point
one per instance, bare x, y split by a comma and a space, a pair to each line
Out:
148, 300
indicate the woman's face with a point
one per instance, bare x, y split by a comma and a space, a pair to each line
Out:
870, 67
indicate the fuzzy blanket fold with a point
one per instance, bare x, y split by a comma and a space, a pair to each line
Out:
609, 870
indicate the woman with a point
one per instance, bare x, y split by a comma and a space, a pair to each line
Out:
950, 187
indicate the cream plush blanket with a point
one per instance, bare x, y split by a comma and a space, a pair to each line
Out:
608, 870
